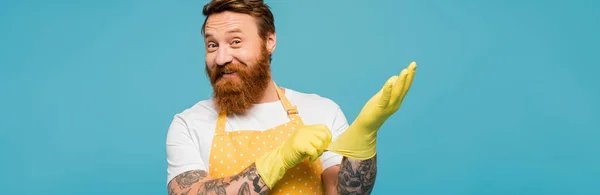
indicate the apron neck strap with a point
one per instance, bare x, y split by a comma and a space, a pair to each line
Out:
289, 108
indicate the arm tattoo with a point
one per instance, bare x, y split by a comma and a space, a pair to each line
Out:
247, 182
186, 179
215, 186
357, 176
244, 190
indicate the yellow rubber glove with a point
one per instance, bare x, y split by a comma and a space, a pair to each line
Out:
309, 141
359, 140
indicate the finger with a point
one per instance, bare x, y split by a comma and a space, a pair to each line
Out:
328, 135
412, 68
398, 87
312, 153
323, 140
323, 132
319, 145
387, 91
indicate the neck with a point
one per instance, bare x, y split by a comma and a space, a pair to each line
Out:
270, 94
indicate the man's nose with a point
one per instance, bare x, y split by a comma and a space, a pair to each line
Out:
223, 56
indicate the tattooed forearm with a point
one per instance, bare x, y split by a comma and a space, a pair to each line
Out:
244, 190
247, 182
215, 186
357, 176
185, 180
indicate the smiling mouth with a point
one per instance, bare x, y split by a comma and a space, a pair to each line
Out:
227, 72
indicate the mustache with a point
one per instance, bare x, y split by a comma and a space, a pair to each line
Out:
219, 71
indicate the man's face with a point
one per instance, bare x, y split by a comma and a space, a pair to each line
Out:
237, 61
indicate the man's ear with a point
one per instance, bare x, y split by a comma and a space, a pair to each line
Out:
271, 43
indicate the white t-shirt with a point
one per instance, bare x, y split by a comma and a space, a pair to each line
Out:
190, 135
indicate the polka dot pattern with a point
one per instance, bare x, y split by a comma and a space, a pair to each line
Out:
233, 151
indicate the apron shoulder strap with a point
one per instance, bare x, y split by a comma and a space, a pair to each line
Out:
291, 110
221, 123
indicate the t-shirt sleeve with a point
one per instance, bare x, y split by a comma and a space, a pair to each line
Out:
182, 154
339, 125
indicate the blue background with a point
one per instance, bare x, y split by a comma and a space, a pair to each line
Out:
505, 100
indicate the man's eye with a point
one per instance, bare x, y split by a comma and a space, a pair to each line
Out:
212, 45
235, 42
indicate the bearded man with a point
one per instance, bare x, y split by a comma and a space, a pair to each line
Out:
254, 137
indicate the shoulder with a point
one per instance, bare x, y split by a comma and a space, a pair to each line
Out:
316, 109
311, 100
202, 113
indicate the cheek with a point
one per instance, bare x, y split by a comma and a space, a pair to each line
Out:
244, 53
245, 56
209, 60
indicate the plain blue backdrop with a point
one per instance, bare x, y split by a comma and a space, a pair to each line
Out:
505, 100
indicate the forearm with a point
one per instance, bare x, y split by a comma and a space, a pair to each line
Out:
357, 176
197, 182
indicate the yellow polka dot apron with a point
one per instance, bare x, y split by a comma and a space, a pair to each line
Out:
232, 152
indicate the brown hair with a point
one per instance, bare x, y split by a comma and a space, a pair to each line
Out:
256, 8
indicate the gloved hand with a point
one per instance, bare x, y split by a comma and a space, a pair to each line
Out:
308, 141
359, 140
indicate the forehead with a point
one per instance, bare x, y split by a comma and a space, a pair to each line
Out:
227, 22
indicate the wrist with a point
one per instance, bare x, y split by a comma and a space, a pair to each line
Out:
365, 132
270, 167
369, 124
357, 143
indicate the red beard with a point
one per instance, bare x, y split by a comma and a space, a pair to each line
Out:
236, 95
